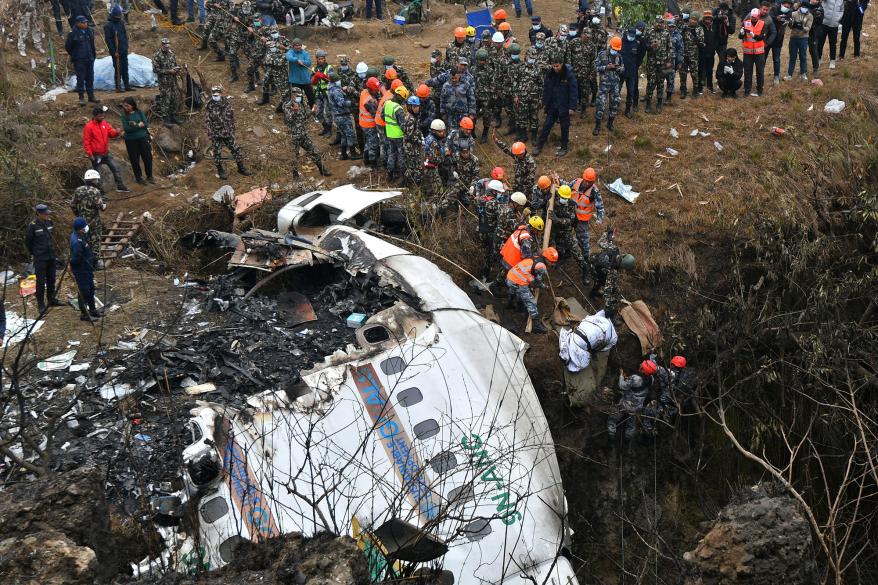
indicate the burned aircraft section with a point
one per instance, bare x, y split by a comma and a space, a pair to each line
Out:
361, 395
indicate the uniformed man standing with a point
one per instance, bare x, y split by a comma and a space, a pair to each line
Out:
30, 21
611, 68
525, 166
366, 120
164, 65
220, 119
255, 47
88, 202
82, 265
38, 240
589, 203
295, 117
413, 142
340, 110
659, 52
393, 123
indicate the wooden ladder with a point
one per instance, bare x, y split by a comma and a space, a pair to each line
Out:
117, 238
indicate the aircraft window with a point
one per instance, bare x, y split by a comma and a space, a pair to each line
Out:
213, 510
477, 529
443, 462
393, 365
461, 494
194, 432
227, 548
409, 397
426, 429
376, 334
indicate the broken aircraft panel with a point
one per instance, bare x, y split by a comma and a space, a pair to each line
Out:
308, 214
426, 442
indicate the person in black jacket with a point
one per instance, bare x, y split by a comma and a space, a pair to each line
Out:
814, 34
537, 26
80, 45
82, 265
116, 36
38, 240
723, 27
560, 95
780, 16
852, 20
729, 73
75, 9
633, 52
707, 54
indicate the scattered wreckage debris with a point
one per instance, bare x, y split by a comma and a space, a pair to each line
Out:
419, 433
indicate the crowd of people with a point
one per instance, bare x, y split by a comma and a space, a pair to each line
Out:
424, 134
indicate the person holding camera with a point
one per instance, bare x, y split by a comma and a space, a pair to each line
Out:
800, 26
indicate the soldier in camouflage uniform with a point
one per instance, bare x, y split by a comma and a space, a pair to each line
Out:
484, 83
255, 47
499, 64
527, 90
540, 194
457, 47
538, 53
220, 119
578, 50
321, 71
524, 164
350, 84
693, 42
607, 264
598, 38
563, 221
296, 116
611, 68
659, 54
434, 159
340, 110
413, 143
465, 170
222, 24
390, 63
88, 202
458, 100
556, 47
275, 79
239, 25
164, 65
485, 193
677, 55
30, 21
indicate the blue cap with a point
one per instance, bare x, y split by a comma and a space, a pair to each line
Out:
631, 31
42, 208
536, 19
116, 11
640, 24
414, 100
81, 18
79, 223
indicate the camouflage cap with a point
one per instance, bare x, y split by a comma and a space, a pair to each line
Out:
166, 41
481, 54
541, 36
320, 53
388, 60
216, 89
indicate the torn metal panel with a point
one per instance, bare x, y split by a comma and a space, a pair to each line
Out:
247, 257
322, 208
430, 423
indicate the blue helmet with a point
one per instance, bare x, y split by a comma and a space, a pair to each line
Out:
79, 223
414, 100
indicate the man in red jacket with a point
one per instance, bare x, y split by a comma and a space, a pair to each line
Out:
96, 141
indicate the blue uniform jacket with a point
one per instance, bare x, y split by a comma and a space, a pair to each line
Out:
560, 90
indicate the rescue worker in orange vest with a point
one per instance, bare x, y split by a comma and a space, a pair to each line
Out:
366, 120
752, 35
527, 274
523, 242
588, 203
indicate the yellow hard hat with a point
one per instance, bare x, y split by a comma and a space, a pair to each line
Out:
564, 191
536, 222
402, 92
470, 31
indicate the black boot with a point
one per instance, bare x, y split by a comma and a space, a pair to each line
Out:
251, 86
597, 127
352, 153
648, 108
533, 135
668, 97
337, 139
683, 93
522, 135
168, 121
658, 106
234, 76
221, 171
610, 123
265, 99
220, 56
323, 170
511, 130
538, 327
484, 137
628, 110
242, 170
344, 153
279, 108
203, 45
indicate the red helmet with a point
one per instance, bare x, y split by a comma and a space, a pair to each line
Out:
589, 175
498, 173
550, 254
396, 83
460, 32
423, 91
648, 367
678, 361
500, 14
466, 123
373, 84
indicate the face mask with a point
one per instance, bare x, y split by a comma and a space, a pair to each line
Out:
275, 35
614, 52
345, 68
638, 32
215, 98
784, 9
595, 20
531, 61
571, 34
432, 60
803, 10
298, 99
386, 67
535, 27
540, 45
630, 38
685, 16
257, 24
515, 57
361, 75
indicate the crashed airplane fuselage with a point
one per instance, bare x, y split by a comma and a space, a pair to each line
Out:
426, 442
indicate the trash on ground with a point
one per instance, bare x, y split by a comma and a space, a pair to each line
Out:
834, 106
671, 151
694, 132
52, 94
624, 191
62, 361
778, 131
717, 145
18, 328
201, 389
817, 82
674, 133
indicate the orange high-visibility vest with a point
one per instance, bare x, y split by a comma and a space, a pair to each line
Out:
583, 200
367, 120
379, 115
752, 46
511, 250
522, 273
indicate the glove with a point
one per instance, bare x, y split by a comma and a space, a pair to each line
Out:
759, 38
728, 70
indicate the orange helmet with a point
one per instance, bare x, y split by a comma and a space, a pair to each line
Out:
498, 173
543, 182
678, 361
460, 33
423, 91
500, 14
648, 367
390, 74
373, 83
518, 148
616, 43
550, 254
466, 123
396, 83
589, 175
504, 26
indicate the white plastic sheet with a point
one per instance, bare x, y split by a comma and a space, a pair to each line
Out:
624, 191
61, 361
834, 107
140, 73
17, 328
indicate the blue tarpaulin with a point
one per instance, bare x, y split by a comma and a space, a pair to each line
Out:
139, 73
480, 20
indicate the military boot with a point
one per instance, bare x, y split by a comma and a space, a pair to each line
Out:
344, 153
668, 96
533, 135
513, 129
323, 170
279, 108
265, 99
337, 140
597, 127
353, 154
658, 106
221, 171
251, 85
648, 108
484, 137
683, 93
203, 45
234, 76
220, 56
628, 110
242, 170
168, 121
610, 124
538, 327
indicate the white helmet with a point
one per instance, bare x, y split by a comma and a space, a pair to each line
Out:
362, 67
498, 37
437, 125
495, 185
91, 175
519, 198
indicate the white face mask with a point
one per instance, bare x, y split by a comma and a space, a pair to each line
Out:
803, 10
540, 45
361, 75
784, 9
298, 99
86, 229
571, 34
215, 98
630, 38
685, 16
595, 20
432, 60
535, 26
531, 61
275, 35
614, 52
386, 67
